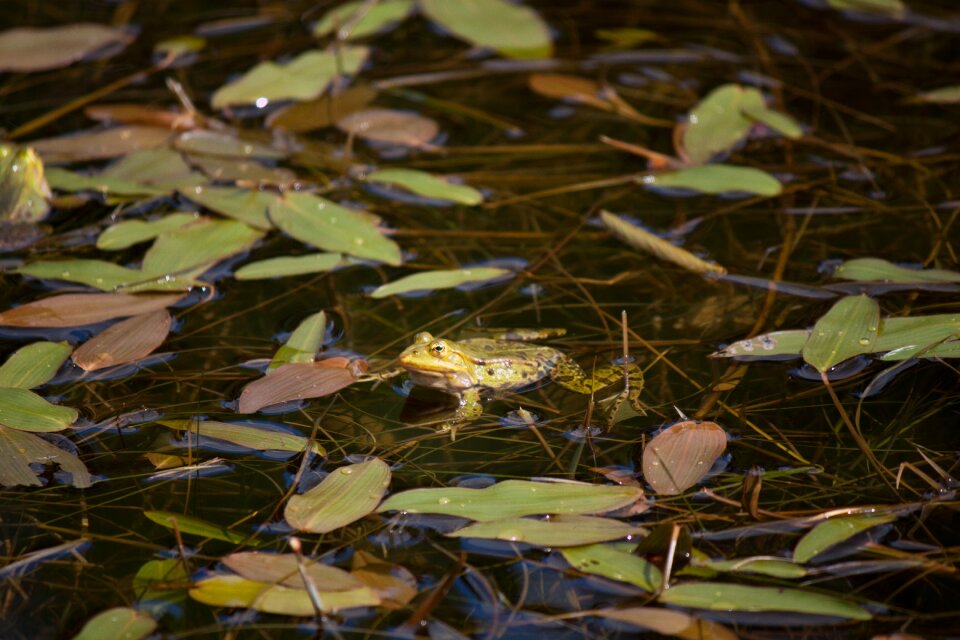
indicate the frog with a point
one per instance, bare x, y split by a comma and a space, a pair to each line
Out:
474, 367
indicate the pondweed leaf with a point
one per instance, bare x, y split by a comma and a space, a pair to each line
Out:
242, 171
836, 530
133, 113
427, 185
28, 49
292, 266
680, 456
19, 450
194, 248
125, 342
610, 561
103, 275
25, 410
282, 569
130, 232
353, 20
718, 596
347, 494
217, 143
33, 365
119, 623
100, 144
245, 205
389, 126
877, 270
717, 179
848, 329
557, 531
641, 239
395, 584
78, 309
245, 435
481, 23
195, 526
23, 186
441, 279
233, 591
331, 227
514, 498
162, 170
760, 565
767, 345
322, 112
296, 381
304, 343
71, 181
303, 78
668, 622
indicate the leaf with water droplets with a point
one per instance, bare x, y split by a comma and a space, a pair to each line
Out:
514, 498
717, 179
219, 143
836, 530
344, 496
33, 365
192, 249
329, 226
23, 187
440, 279
389, 126
246, 205
515, 31
557, 531
78, 309
848, 329
119, 623
102, 275
296, 381
680, 456
767, 345
232, 591
427, 185
160, 170
19, 450
717, 596
28, 49
124, 342
611, 562
357, 19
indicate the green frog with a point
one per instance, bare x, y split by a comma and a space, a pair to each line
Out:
472, 367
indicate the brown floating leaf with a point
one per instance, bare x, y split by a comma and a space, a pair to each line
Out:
395, 584
323, 111
100, 145
567, 87
77, 309
277, 568
27, 49
131, 113
391, 127
124, 342
295, 381
681, 455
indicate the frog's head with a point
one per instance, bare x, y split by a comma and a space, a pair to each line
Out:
438, 363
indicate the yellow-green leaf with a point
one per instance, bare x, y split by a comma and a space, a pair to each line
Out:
33, 365
848, 329
516, 31
194, 526
609, 561
19, 450
246, 205
641, 239
358, 19
303, 343
245, 435
344, 496
130, 232
233, 591
558, 531
427, 185
119, 623
292, 266
717, 596
25, 410
716, 179
875, 269
441, 279
836, 530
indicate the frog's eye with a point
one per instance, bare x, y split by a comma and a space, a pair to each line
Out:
437, 348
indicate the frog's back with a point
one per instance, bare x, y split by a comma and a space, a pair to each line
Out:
506, 364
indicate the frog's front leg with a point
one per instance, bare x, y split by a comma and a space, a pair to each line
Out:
470, 409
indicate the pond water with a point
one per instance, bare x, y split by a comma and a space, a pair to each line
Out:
850, 158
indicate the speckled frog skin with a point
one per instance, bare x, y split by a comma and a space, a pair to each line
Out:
467, 368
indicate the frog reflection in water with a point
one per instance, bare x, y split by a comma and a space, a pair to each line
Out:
469, 368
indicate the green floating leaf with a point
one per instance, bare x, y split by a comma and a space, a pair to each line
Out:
194, 248
514, 498
558, 531
358, 19
892, 8
768, 345
245, 435
233, 591
609, 561
294, 266
25, 410
303, 78
773, 567
64, 180
130, 232
848, 329
943, 95
329, 226
668, 622
217, 143
103, 275
19, 449
481, 23
246, 205
641, 239
78, 309
904, 338
119, 623
34, 364
161, 169
344, 496
717, 178
156, 585
427, 185
441, 279
100, 144
241, 170
877, 270
718, 596
834, 531
195, 526
303, 343
23, 188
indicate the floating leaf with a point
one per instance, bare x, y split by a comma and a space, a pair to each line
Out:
848, 329
78, 309
668, 622
23, 188
344, 496
124, 342
246, 205
245, 435
877, 270
390, 127
196, 247
247, 171
101, 144
680, 456
217, 143
611, 562
571, 88
908, 337
481, 23
233, 591
297, 381
322, 112
558, 531
768, 345
427, 185
303, 78
133, 113
130, 232
512, 498
25, 410
440, 279
282, 569
102, 275
162, 169
64, 180
29, 49
717, 596
640, 238
329, 226
119, 623
19, 449
33, 365
358, 19
892, 8
393, 583
195, 526
943, 95
303, 343
836, 530
773, 567
293, 266
717, 178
